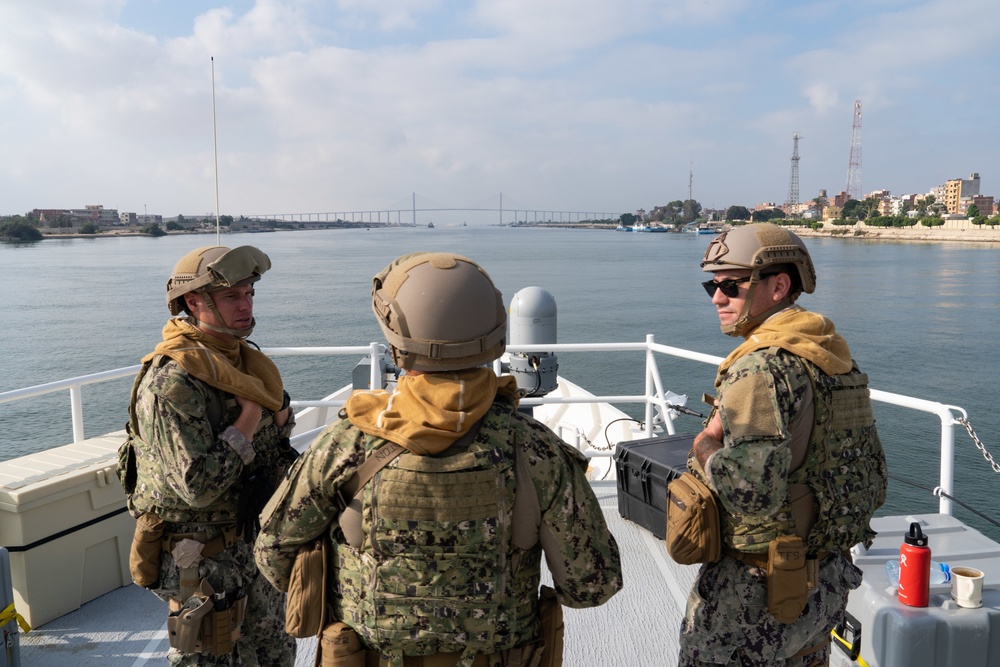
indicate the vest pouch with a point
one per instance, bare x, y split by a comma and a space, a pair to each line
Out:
306, 601
221, 628
693, 532
144, 556
184, 626
787, 578
220, 640
339, 646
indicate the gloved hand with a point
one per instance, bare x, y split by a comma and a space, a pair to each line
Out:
255, 491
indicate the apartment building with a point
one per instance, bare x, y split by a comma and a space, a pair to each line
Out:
985, 204
958, 193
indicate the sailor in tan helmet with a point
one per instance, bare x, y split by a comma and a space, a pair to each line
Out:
438, 547
793, 457
209, 422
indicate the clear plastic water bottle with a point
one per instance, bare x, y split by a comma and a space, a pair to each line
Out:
940, 572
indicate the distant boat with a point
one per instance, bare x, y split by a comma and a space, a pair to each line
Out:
710, 228
650, 228
430, 225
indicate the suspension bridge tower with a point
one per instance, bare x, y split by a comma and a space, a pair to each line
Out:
853, 189
793, 180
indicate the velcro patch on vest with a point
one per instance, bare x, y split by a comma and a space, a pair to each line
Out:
749, 410
460, 496
850, 402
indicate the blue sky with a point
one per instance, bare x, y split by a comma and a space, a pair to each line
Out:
584, 105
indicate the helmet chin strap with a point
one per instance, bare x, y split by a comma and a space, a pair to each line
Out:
238, 333
745, 323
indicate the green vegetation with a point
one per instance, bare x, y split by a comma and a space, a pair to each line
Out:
676, 212
17, 228
153, 230
891, 221
737, 213
89, 228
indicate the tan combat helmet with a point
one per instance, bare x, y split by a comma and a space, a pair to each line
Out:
215, 267
760, 247
439, 312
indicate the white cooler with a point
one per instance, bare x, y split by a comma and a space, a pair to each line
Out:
63, 521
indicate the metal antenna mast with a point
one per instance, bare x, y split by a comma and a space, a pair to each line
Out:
215, 147
690, 178
793, 179
854, 166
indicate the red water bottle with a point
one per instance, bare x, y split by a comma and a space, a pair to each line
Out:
914, 568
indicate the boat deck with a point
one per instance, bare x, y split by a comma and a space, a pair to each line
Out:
638, 626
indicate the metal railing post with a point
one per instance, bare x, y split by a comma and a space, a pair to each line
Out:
650, 385
947, 480
76, 410
375, 380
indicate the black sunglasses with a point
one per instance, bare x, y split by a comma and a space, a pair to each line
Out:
730, 287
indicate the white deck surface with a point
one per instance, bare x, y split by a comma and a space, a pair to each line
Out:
638, 626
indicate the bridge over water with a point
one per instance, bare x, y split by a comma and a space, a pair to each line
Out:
416, 210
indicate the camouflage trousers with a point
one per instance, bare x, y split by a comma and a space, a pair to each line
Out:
727, 621
263, 641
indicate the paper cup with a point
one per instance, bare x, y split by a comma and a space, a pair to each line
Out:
967, 587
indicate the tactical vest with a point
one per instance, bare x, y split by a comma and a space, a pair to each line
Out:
150, 492
453, 510
844, 468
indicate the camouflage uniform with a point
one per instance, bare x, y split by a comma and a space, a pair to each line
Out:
191, 478
581, 553
727, 621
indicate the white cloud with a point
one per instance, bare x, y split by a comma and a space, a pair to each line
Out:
594, 103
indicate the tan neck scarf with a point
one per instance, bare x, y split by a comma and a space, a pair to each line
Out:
231, 366
426, 413
805, 334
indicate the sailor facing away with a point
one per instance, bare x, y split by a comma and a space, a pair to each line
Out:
439, 554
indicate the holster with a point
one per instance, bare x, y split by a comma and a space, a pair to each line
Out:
788, 578
198, 626
144, 556
550, 613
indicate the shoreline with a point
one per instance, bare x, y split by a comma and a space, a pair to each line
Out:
921, 234
858, 233
910, 234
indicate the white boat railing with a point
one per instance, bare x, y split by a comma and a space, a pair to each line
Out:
657, 408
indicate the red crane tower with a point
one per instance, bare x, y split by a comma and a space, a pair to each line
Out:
853, 189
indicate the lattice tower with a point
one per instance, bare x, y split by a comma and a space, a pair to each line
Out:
793, 179
853, 189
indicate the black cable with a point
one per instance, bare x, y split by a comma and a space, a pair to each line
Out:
949, 497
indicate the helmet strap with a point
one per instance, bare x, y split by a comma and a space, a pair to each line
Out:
237, 333
745, 323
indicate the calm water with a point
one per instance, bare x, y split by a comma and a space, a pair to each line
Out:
921, 319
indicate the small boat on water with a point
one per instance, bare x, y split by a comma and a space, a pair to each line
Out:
710, 227
64, 525
642, 227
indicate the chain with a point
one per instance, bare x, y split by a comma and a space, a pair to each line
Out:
979, 443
